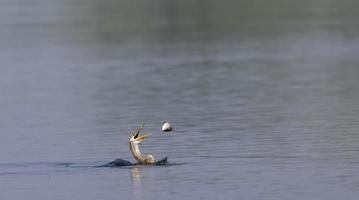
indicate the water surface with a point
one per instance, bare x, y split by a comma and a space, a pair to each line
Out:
263, 98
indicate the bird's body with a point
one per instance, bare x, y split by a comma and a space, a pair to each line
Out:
166, 127
117, 163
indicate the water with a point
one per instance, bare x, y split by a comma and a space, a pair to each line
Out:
263, 97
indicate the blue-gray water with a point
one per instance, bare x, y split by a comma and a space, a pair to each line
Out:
263, 97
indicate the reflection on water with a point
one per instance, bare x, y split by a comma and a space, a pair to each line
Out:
136, 174
136, 182
263, 96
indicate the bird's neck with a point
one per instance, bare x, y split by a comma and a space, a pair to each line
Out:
141, 158
135, 150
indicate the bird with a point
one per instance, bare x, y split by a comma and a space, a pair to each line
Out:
134, 142
166, 127
142, 159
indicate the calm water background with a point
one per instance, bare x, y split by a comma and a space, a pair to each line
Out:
263, 96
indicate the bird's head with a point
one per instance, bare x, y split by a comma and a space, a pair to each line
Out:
136, 138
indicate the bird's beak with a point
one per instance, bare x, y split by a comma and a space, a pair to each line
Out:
142, 137
138, 131
136, 135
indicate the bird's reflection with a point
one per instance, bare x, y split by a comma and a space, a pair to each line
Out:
136, 176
